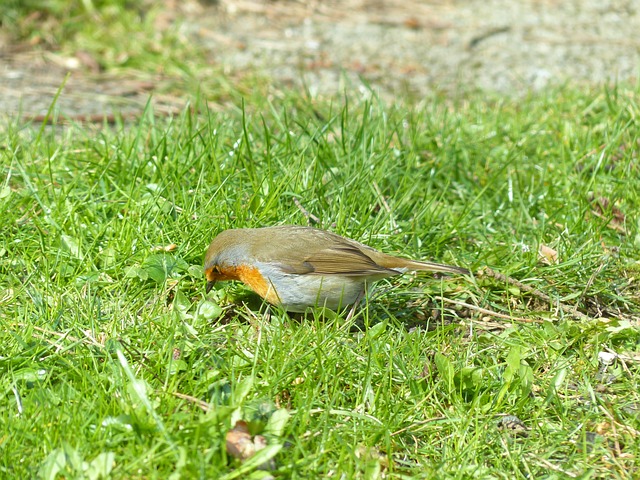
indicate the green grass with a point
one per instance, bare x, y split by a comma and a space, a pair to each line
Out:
107, 342
114, 363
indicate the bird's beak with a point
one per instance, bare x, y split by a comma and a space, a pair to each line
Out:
210, 285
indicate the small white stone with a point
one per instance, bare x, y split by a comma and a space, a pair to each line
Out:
607, 358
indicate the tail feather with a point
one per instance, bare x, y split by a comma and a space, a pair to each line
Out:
434, 267
401, 264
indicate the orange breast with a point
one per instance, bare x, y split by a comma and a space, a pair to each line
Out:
252, 277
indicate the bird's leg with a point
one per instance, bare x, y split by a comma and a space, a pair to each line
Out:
352, 310
359, 298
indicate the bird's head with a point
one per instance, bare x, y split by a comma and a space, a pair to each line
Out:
226, 252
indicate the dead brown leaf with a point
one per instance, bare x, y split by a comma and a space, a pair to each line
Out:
164, 248
241, 445
548, 255
603, 208
239, 442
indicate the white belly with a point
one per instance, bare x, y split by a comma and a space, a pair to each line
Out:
299, 292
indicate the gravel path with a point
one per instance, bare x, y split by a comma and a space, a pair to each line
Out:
498, 45
504, 46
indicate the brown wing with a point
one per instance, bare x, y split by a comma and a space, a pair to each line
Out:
343, 259
311, 251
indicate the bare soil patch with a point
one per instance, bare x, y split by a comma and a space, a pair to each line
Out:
393, 47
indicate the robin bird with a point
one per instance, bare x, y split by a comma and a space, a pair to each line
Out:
299, 267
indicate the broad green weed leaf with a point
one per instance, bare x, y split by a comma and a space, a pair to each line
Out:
209, 310
52, 465
241, 390
181, 302
101, 466
513, 363
377, 330
445, 368
159, 267
73, 246
277, 422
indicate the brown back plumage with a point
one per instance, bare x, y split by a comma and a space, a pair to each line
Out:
310, 251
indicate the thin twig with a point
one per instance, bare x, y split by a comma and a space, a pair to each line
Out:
630, 430
610, 224
490, 312
418, 424
588, 285
616, 442
63, 336
199, 403
385, 205
310, 216
622, 356
568, 309
489, 272
487, 325
553, 467
595, 150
